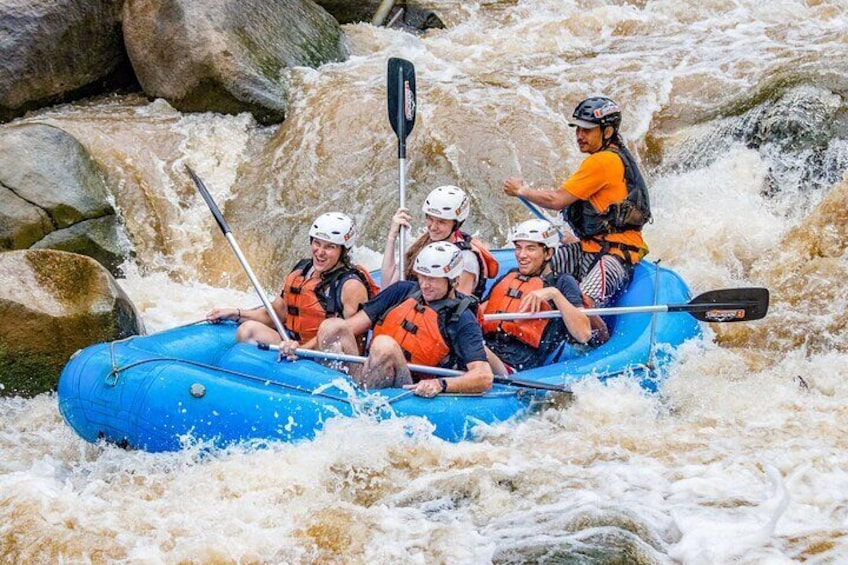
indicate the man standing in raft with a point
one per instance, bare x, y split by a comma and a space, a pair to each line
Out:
325, 286
605, 202
423, 323
532, 287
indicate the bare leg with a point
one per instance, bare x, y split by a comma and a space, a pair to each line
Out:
498, 367
256, 332
335, 337
386, 365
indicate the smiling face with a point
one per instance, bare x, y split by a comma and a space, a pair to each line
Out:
531, 257
433, 288
439, 229
325, 255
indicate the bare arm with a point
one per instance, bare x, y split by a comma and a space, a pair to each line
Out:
257, 314
478, 378
388, 270
359, 323
576, 322
467, 282
354, 294
550, 199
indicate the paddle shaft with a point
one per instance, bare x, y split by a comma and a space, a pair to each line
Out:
587, 311
725, 305
688, 308
347, 358
425, 369
401, 135
538, 213
222, 223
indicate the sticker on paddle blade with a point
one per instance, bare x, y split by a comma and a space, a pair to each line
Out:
409, 98
724, 315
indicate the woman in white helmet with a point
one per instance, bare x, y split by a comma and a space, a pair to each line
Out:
445, 209
324, 286
423, 322
532, 287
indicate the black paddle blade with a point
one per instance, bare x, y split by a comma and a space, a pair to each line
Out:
401, 90
222, 223
728, 305
532, 384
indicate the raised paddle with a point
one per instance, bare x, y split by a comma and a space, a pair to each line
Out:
725, 305
538, 213
226, 229
438, 371
401, 98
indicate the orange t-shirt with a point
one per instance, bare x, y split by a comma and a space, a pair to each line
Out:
600, 180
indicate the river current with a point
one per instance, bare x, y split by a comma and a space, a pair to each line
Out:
737, 109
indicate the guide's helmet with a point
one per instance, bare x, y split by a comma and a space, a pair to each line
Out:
596, 112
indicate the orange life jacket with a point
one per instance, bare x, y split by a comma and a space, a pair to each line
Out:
311, 300
506, 296
489, 266
421, 330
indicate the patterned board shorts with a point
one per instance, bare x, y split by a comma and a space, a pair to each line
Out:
601, 281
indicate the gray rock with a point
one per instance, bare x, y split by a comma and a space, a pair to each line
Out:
50, 169
52, 195
53, 303
98, 239
227, 56
57, 50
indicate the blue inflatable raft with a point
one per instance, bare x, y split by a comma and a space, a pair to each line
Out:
194, 382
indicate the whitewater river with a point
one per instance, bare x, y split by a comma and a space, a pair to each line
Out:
737, 109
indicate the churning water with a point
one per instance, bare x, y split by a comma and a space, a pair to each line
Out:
738, 111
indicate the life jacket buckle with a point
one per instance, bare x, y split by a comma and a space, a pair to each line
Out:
409, 327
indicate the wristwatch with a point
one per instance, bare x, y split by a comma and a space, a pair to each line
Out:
444, 384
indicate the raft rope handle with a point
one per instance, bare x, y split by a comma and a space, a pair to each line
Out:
221, 370
112, 378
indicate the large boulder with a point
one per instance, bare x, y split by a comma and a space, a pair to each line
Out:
57, 50
97, 238
227, 56
52, 194
53, 303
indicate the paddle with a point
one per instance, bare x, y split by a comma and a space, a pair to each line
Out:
538, 213
226, 229
438, 371
401, 99
726, 305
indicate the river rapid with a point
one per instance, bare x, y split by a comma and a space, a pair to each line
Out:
737, 109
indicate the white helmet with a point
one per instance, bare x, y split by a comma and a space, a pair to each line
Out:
448, 203
439, 259
540, 231
334, 227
